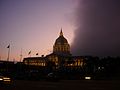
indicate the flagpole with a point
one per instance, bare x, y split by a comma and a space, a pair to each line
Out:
8, 53
21, 55
29, 53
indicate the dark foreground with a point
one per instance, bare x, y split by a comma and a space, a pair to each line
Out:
65, 85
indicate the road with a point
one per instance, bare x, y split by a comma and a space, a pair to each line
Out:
65, 85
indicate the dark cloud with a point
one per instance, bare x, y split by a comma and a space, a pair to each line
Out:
98, 28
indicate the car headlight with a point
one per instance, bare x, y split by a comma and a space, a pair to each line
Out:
88, 78
1, 79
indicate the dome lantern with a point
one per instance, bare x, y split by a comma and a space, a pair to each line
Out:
61, 33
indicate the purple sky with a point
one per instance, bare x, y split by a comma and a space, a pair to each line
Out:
33, 25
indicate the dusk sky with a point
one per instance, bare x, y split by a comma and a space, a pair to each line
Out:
34, 25
92, 27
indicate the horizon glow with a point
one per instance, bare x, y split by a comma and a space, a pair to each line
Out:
34, 25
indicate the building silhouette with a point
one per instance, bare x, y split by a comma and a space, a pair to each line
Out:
61, 56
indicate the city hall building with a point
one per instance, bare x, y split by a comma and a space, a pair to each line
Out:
60, 57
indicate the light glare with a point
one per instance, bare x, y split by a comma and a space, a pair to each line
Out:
88, 78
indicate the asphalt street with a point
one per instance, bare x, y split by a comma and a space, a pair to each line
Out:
65, 85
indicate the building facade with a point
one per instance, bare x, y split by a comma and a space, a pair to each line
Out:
60, 57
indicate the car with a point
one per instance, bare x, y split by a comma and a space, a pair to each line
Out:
52, 77
5, 80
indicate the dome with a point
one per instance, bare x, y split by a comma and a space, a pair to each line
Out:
61, 40
61, 45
